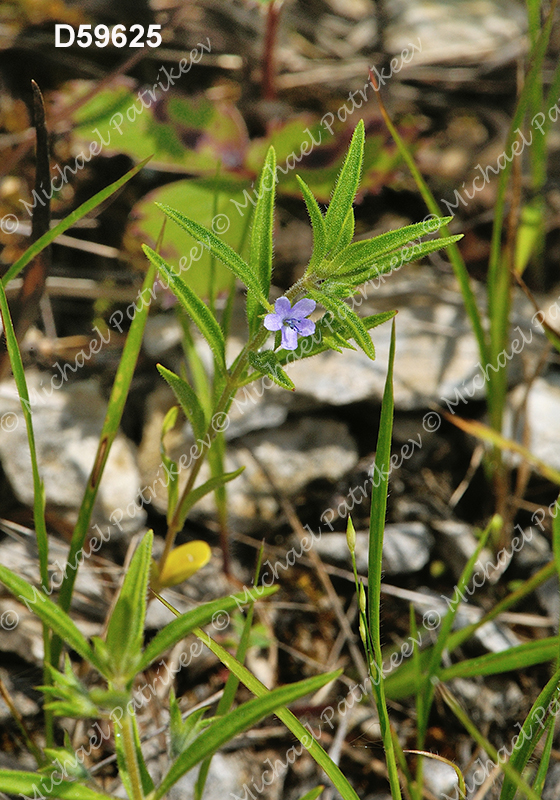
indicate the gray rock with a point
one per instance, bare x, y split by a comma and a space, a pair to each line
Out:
439, 778
540, 414
535, 552
436, 354
406, 548
226, 776
67, 425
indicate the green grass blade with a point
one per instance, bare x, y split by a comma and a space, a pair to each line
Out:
530, 734
38, 488
519, 657
50, 614
185, 624
193, 305
69, 221
242, 718
380, 488
188, 400
345, 189
119, 393
556, 545
221, 250
499, 281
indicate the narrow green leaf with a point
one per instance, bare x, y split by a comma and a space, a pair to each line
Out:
193, 305
366, 250
188, 400
260, 261
30, 784
221, 250
380, 489
317, 224
313, 794
49, 613
209, 486
185, 624
530, 734
349, 319
267, 363
69, 221
242, 718
125, 632
393, 261
345, 189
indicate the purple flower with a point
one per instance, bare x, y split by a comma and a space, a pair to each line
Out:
291, 321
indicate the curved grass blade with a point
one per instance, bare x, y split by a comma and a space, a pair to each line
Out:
195, 307
209, 486
69, 221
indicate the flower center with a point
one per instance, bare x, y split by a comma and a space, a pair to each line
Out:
293, 323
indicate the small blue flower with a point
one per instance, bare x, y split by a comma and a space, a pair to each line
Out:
291, 321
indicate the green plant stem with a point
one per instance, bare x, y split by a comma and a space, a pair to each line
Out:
127, 733
221, 407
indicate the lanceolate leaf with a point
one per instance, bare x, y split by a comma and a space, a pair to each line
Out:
209, 486
197, 310
393, 261
347, 318
49, 613
221, 250
126, 626
188, 400
346, 188
403, 682
317, 223
260, 260
183, 625
267, 364
364, 252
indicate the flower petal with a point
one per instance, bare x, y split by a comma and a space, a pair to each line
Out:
273, 322
303, 308
306, 327
289, 338
283, 306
